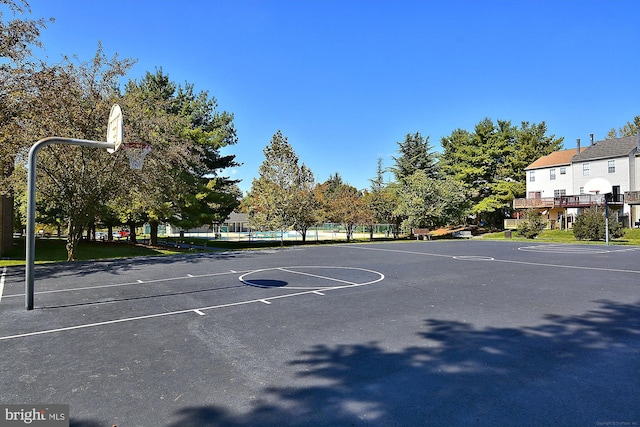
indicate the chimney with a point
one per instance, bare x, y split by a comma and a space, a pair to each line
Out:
591, 136
578, 144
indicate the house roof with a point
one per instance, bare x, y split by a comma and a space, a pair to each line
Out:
237, 217
557, 158
608, 148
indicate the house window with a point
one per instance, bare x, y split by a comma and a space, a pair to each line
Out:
532, 176
611, 166
559, 193
585, 169
581, 190
552, 174
563, 171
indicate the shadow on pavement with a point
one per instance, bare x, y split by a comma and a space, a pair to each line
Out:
570, 370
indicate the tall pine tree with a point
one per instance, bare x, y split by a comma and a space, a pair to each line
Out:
414, 154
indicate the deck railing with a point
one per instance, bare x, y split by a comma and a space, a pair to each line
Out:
632, 197
545, 202
582, 200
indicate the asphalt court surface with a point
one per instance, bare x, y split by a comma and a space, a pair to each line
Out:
410, 333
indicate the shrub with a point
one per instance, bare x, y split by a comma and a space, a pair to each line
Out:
531, 226
590, 225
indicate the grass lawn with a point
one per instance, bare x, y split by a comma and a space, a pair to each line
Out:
54, 250
631, 237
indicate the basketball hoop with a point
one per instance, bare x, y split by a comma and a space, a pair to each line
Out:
136, 152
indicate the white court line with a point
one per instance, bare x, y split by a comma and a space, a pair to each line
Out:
574, 267
584, 249
317, 276
173, 313
2, 277
137, 283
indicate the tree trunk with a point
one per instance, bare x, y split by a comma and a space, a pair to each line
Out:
73, 236
132, 233
154, 232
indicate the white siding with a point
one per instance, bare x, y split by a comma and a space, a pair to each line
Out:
546, 186
600, 169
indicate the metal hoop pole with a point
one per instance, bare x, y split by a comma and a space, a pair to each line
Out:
30, 240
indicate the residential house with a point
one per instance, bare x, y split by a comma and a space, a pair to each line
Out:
235, 223
549, 177
558, 184
612, 160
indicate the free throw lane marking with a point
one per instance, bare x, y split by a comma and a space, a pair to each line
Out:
190, 310
148, 282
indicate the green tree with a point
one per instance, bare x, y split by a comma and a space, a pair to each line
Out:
630, 129
18, 35
383, 201
430, 202
74, 100
343, 204
346, 207
532, 224
282, 196
414, 154
181, 181
490, 163
532, 142
590, 224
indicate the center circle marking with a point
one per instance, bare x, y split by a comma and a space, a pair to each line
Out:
336, 282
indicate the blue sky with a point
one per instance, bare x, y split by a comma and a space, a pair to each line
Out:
346, 80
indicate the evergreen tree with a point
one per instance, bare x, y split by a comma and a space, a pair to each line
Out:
414, 154
282, 196
630, 129
490, 163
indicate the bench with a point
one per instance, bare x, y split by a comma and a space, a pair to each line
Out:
425, 233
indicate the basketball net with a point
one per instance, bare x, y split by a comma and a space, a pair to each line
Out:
136, 152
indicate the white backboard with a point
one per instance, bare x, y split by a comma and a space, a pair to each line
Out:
598, 186
115, 129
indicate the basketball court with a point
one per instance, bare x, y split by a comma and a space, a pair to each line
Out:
410, 333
